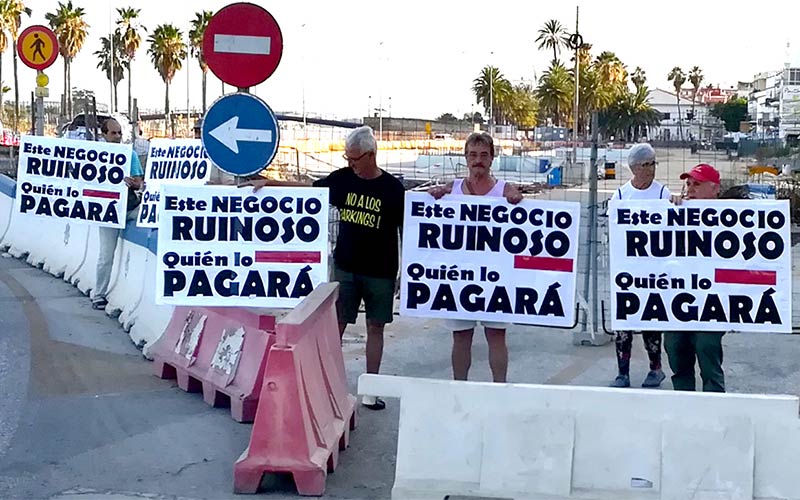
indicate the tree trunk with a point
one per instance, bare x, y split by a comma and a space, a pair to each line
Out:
16, 89
70, 109
204, 92
167, 118
116, 98
1, 87
67, 97
130, 101
680, 125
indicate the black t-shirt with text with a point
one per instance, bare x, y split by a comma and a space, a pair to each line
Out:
370, 216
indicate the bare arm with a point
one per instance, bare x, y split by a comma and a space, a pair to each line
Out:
259, 183
134, 182
512, 193
439, 191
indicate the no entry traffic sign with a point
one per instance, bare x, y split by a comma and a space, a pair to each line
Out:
243, 44
37, 47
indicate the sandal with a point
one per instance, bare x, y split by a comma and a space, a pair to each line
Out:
373, 403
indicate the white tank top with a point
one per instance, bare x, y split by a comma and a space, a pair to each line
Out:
497, 189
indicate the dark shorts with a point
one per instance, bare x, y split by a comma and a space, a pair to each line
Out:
377, 294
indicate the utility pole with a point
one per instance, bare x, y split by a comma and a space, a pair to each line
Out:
577, 42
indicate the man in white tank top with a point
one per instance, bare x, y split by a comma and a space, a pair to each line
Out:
479, 150
642, 186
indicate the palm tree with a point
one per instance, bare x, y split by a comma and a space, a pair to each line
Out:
4, 8
490, 89
638, 78
167, 51
199, 24
677, 78
554, 92
695, 78
552, 36
11, 12
71, 30
630, 116
522, 107
612, 70
117, 61
128, 22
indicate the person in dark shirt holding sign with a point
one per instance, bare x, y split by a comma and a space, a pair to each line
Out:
642, 186
370, 203
683, 348
112, 132
479, 150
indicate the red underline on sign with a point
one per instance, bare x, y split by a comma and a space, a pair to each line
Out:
288, 257
742, 277
101, 194
542, 263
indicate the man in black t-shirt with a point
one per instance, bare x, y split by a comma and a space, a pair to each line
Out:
370, 203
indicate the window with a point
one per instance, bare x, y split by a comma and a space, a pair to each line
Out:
664, 116
793, 76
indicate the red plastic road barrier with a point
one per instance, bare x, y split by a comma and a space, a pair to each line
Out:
305, 414
219, 350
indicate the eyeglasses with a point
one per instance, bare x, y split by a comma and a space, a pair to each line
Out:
350, 158
648, 164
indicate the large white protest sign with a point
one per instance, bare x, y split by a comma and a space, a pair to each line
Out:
481, 258
226, 246
713, 265
171, 161
80, 181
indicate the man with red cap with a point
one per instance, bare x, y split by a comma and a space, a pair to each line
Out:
702, 183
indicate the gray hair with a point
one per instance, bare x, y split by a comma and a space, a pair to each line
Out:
479, 138
641, 153
362, 139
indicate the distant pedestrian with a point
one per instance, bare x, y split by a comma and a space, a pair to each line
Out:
108, 236
683, 348
479, 150
642, 186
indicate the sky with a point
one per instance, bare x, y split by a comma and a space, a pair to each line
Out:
418, 58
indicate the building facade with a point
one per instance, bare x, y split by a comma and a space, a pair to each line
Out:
700, 126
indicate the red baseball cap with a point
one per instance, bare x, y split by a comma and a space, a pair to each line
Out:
703, 173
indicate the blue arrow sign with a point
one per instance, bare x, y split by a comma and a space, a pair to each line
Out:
240, 134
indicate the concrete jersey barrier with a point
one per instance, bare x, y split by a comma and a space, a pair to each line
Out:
526, 441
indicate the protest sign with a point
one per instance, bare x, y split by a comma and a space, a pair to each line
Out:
481, 258
171, 161
713, 265
225, 246
81, 181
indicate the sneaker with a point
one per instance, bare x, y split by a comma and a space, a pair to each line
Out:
654, 378
373, 402
621, 381
99, 304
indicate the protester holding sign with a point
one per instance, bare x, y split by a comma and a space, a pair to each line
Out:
112, 132
702, 183
642, 186
479, 150
370, 203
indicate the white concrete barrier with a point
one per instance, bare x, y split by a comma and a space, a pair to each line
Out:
539, 442
85, 276
66, 255
132, 290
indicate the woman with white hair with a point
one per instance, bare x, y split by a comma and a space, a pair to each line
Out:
642, 186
